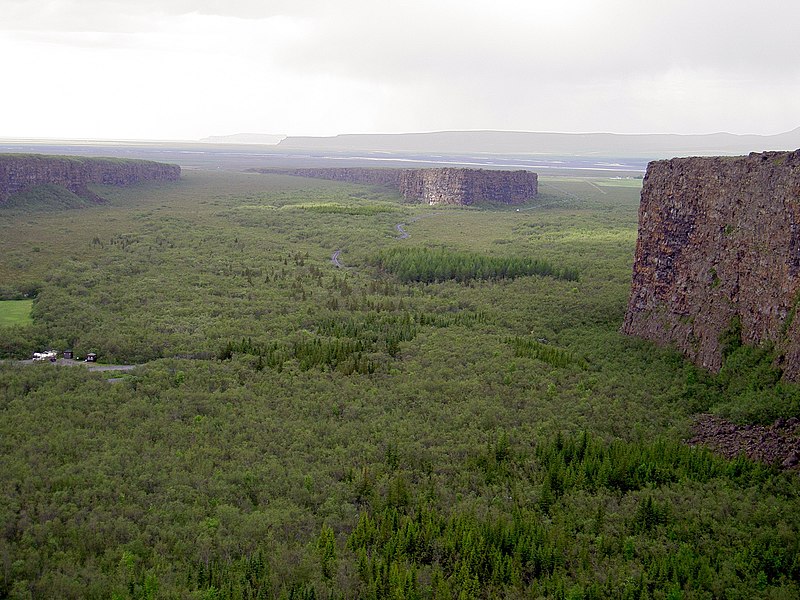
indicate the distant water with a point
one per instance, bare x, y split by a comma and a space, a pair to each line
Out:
243, 157
501, 161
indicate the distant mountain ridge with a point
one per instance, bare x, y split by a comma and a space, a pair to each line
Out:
268, 139
522, 142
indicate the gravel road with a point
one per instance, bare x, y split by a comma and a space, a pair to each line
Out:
66, 362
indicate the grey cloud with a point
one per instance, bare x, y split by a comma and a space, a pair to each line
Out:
466, 64
385, 40
613, 39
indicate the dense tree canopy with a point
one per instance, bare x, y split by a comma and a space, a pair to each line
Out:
436, 419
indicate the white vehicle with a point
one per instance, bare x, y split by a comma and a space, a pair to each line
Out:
43, 356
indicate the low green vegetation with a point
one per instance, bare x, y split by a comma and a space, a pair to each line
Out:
444, 424
434, 265
406, 546
541, 350
15, 312
349, 209
363, 344
748, 387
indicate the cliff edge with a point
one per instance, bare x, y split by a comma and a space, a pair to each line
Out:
719, 239
20, 172
438, 186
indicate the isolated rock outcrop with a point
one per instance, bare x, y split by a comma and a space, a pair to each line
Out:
719, 238
438, 186
19, 172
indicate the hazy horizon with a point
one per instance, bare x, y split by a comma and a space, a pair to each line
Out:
239, 136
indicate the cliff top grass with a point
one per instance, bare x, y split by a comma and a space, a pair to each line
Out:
28, 156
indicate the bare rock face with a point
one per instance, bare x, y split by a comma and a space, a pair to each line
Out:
719, 238
440, 186
19, 172
467, 186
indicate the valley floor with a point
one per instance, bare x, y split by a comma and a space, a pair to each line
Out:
454, 414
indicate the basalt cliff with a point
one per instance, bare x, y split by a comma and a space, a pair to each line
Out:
20, 172
439, 186
719, 242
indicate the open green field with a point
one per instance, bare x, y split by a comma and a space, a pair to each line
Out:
450, 415
15, 312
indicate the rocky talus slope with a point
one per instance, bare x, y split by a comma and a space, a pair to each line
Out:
19, 172
777, 444
719, 239
439, 186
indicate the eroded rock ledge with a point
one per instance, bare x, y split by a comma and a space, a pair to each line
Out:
438, 186
719, 238
19, 172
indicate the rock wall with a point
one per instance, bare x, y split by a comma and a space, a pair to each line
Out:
719, 238
439, 186
21, 171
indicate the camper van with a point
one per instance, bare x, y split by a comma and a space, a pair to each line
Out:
44, 356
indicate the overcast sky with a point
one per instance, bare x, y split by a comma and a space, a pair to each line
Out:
186, 69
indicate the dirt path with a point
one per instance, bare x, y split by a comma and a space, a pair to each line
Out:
67, 362
400, 228
335, 259
542, 205
597, 187
111, 367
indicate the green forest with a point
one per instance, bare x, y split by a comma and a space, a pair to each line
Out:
454, 414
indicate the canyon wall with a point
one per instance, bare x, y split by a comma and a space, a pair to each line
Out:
19, 172
719, 239
439, 186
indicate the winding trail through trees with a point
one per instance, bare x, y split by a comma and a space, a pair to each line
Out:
335, 259
400, 228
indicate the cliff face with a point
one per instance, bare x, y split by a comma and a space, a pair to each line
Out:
440, 186
21, 171
719, 238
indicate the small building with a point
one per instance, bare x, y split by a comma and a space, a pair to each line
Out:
68, 354
91, 357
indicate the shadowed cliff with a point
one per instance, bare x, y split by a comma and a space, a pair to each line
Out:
20, 173
719, 244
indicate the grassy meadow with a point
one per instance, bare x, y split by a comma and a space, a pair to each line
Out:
15, 312
435, 419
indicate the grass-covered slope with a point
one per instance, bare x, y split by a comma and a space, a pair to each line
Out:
47, 197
